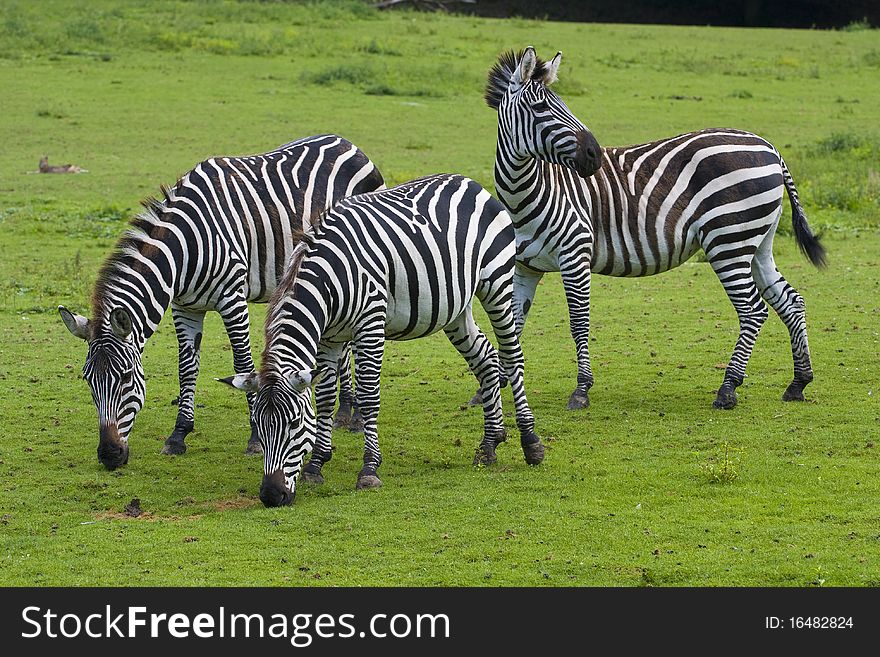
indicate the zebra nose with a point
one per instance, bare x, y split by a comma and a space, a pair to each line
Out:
588, 158
112, 451
273, 491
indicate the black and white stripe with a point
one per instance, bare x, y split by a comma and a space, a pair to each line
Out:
643, 210
219, 238
397, 264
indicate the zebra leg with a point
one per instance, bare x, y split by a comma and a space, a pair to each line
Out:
736, 277
369, 348
525, 285
790, 307
505, 324
325, 398
347, 416
481, 357
234, 313
576, 281
188, 326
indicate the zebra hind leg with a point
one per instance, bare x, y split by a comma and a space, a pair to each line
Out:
513, 363
235, 319
737, 280
789, 305
483, 361
348, 415
525, 285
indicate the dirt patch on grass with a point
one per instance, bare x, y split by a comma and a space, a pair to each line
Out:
235, 503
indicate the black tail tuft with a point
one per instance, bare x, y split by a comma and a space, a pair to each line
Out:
808, 243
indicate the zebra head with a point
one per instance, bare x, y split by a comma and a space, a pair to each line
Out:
285, 421
115, 375
533, 122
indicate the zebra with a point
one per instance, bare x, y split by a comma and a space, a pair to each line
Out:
397, 264
219, 238
642, 210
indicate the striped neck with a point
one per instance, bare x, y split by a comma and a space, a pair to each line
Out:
515, 177
296, 321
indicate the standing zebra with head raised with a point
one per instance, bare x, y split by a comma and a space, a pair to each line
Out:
397, 264
644, 210
220, 238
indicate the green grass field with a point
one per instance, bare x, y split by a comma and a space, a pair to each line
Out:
650, 486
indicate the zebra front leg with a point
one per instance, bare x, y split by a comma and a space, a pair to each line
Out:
188, 326
234, 312
347, 416
369, 348
325, 398
576, 281
525, 285
752, 313
481, 357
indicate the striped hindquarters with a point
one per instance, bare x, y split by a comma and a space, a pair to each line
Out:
242, 216
423, 246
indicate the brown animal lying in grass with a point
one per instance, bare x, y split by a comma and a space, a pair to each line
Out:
64, 168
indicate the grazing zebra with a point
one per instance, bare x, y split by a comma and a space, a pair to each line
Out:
644, 210
220, 237
397, 264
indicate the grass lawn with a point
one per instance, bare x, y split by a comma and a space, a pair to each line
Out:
650, 486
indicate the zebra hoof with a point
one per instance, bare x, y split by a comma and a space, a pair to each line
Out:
485, 455
343, 416
368, 481
349, 418
357, 422
174, 449
477, 399
534, 453
579, 400
253, 448
725, 400
794, 392
312, 477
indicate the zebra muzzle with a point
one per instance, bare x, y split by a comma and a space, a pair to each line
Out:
112, 450
274, 492
588, 158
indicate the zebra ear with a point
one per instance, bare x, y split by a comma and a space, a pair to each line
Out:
120, 323
303, 379
551, 69
76, 324
526, 66
248, 382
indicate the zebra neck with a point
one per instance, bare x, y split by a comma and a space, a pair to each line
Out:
515, 178
294, 328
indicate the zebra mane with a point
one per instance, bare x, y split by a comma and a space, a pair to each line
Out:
501, 72
143, 223
305, 240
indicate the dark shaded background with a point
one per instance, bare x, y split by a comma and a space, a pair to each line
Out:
751, 13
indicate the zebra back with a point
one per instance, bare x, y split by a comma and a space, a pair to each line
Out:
230, 223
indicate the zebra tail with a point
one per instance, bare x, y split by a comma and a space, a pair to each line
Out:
808, 243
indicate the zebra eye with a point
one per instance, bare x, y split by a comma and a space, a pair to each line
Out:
541, 106
126, 377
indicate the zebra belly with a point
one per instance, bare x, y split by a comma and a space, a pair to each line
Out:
409, 317
634, 267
